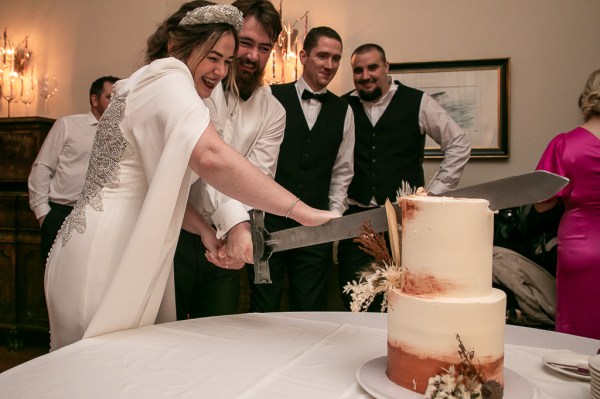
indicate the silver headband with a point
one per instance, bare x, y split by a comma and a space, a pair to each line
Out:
214, 14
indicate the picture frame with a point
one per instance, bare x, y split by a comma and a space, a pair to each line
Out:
475, 93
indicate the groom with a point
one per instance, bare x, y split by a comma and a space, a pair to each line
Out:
254, 126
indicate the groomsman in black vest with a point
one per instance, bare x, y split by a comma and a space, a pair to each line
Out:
315, 163
391, 123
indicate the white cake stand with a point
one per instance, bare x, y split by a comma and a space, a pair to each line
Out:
371, 376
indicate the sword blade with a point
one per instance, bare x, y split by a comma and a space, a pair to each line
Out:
504, 193
334, 230
514, 191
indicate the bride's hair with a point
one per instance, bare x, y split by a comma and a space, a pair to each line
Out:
171, 39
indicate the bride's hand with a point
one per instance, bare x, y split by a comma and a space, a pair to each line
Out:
221, 259
216, 251
322, 217
308, 216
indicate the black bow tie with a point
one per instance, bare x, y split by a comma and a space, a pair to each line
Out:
307, 95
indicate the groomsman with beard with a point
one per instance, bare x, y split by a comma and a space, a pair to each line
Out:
253, 123
391, 123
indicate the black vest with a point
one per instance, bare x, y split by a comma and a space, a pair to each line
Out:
390, 152
306, 157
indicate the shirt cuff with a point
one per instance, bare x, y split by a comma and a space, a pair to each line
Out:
437, 187
228, 215
340, 212
41, 210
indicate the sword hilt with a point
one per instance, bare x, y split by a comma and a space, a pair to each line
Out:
262, 274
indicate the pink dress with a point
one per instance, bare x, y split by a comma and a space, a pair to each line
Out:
576, 155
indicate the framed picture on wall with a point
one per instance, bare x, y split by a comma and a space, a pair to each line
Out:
476, 95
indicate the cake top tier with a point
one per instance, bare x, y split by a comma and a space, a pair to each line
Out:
446, 246
430, 199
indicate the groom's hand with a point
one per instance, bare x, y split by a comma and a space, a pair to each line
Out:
239, 243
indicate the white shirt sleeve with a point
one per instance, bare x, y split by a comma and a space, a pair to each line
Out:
262, 151
44, 168
437, 124
343, 169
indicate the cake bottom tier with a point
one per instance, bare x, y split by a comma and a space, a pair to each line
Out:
423, 336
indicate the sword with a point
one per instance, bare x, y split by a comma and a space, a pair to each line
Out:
504, 193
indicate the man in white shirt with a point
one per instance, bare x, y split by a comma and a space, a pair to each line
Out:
315, 163
59, 171
391, 123
254, 126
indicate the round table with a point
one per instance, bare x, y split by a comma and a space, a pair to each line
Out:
271, 355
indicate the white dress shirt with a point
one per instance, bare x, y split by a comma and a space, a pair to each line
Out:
59, 170
255, 129
435, 122
343, 168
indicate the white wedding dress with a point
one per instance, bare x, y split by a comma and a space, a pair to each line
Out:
110, 264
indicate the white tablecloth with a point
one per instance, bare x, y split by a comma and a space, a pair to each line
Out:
279, 355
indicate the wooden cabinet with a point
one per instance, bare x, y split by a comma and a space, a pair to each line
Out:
22, 303
20, 142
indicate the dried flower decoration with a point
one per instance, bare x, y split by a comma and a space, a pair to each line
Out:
465, 381
381, 275
373, 244
467, 367
406, 190
452, 384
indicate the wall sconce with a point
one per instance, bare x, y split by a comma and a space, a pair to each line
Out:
19, 79
283, 65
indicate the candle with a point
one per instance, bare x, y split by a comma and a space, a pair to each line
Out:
306, 24
273, 56
296, 60
4, 50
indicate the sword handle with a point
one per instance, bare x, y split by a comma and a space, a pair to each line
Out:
262, 274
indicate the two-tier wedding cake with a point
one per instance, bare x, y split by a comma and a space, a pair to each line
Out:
446, 300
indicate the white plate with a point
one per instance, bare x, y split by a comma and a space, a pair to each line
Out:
568, 358
594, 361
371, 376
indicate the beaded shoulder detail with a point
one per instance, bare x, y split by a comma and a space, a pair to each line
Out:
110, 147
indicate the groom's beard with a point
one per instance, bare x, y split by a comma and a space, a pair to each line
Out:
248, 82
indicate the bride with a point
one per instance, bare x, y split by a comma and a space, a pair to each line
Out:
110, 265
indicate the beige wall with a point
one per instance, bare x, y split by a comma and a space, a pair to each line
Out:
552, 44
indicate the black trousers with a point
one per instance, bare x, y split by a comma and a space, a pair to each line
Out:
307, 271
201, 288
352, 261
51, 226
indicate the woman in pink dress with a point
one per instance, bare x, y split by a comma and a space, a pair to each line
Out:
576, 155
